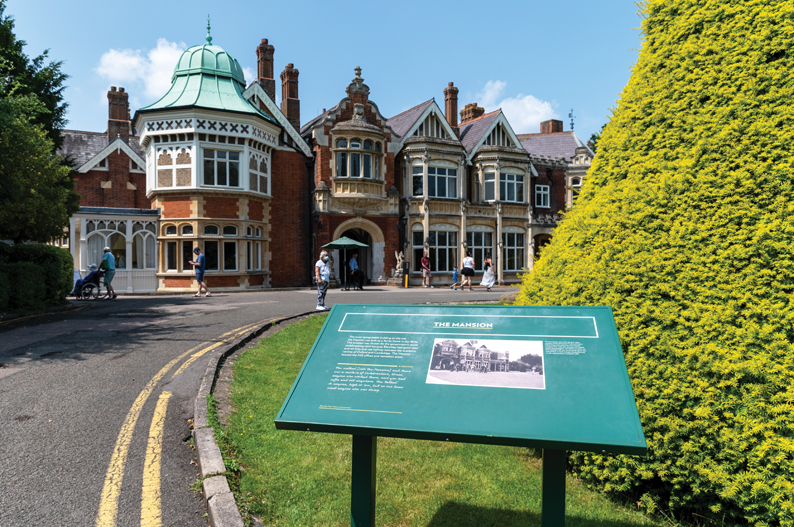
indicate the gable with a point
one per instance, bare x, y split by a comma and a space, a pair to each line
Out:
254, 93
499, 133
117, 145
431, 123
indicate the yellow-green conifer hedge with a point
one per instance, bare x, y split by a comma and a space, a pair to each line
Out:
686, 228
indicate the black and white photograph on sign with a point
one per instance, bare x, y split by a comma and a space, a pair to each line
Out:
490, 363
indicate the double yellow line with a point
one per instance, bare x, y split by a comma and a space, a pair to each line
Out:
151, 515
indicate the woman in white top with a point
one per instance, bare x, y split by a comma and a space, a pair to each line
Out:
488, 278
467, 271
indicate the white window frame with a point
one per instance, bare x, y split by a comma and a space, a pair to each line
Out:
343, 166
510, 241
434, 172
492, 182
511, 181
478, 251
543, 196
215, 161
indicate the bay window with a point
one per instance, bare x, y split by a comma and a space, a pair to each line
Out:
442, 182
490, 181
358, 159
480, 244
443, 250
221, 168
511, 187
513, 251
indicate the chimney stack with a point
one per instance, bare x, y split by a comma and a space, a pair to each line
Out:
470, 113
290, 104
118, 114
451, 106
264, 63
552, 126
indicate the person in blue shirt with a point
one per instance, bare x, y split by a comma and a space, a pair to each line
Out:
199, 266
109, 265
322, 271
355, 273
454, 278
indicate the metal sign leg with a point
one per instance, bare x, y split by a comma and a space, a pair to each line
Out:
362, 488
553, 500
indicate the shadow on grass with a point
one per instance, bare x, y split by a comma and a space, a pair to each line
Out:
453, 514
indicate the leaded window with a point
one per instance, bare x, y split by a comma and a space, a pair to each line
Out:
513, 251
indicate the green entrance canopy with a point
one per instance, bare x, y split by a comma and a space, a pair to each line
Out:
344, 243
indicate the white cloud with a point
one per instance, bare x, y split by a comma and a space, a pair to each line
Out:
525, 112
250, 75
139, 69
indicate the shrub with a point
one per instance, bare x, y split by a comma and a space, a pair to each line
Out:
686, 228
53, 270
4, 288
26, 290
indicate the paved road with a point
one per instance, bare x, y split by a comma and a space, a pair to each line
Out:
86, 396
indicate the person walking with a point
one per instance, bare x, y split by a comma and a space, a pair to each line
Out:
322, 271
355, 273
488, 278
426, 274
467, 271
109, 265
454, 278
198, 266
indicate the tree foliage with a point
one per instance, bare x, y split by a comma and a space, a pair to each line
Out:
36, 191
686, 228
33, 77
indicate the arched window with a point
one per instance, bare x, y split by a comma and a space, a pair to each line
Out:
353, 163
230, 230
249, 231
187, 230
576, 182
258, 232
144, 251
211, 230
170, 230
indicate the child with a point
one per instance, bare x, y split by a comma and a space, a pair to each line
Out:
454, 278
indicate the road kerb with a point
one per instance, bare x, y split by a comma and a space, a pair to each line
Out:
221, 506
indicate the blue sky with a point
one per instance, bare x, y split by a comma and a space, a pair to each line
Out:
534, 59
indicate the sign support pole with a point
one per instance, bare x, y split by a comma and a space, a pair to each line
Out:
553, 494
362, 488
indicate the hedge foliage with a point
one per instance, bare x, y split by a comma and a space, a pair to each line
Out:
34, 276
686, 228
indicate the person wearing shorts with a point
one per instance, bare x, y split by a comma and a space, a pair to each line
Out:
426, 273
467, 271
109, 265
198, 266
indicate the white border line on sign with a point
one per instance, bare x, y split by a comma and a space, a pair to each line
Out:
595, 326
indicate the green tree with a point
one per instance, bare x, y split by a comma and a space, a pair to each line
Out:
33, 76
36, 191
595, 137
686, 228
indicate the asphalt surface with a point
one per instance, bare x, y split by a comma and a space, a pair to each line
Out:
68, 382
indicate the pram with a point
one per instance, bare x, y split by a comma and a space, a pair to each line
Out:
89, 287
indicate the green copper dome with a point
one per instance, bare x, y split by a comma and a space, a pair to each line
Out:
209, 59
207, 77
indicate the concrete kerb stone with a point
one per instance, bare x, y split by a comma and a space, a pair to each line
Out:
221, 507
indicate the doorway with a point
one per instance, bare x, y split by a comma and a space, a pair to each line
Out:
364, 253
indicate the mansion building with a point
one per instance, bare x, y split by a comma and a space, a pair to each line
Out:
218, 164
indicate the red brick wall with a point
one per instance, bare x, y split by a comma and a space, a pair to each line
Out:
557, 183
221, 281
92, 194
255, 280
175, 207
256, 210
290, 231
215, 207
178, 282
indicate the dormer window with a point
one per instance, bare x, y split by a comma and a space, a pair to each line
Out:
358, 159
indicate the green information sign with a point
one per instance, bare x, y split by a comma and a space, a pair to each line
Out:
545, 377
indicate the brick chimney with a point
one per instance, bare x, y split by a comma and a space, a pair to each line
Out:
552, 126
118, 114
264, 66
451, 106
290, 103
471, 112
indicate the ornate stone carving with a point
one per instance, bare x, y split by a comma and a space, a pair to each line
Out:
398, 273
165, 159
183, 158
426, 206
463, 207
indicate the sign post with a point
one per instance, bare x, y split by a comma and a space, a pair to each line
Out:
552, 378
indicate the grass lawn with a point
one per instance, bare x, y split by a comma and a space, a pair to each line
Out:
299, 478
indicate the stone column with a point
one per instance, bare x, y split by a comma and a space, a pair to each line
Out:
72, 246
378, 257
425, 204
128, 258
530, 248
499, 244
480, 187
462, 247
83, 246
